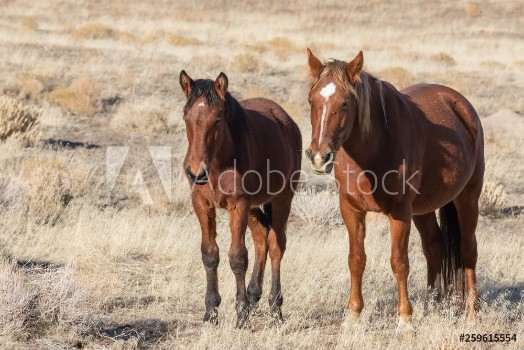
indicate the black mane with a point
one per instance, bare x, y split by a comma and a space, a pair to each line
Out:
234, 113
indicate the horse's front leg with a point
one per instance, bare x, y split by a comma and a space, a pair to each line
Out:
210, 258
356, 225
238, 219
400, 224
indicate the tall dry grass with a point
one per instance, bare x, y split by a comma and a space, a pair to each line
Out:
19, 122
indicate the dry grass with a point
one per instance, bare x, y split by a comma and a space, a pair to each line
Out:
398, 76
78, 98
282, 47
180, 40
472, 9
94, 31
443, 58
85, 268
148, 117
28, 23
32, 85
492, 199
246, 63
19, 122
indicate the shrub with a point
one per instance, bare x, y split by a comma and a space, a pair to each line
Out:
320, 208
397, 76
32, 85
19, 122
31, 302
443, 58
282, 47
50, 189
471, 10
93, 31
16, 299
28, 23
78, 98
147, 118
13, 194
180, 40
492, 199
246, 63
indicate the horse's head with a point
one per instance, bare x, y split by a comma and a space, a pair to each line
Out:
203, 115
335, 107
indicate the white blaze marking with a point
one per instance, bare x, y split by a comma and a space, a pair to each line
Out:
201, 104
326, 92
322, 122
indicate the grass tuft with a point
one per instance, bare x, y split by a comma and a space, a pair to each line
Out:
19, 122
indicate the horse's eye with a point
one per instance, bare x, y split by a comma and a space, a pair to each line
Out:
344, 105
218, 121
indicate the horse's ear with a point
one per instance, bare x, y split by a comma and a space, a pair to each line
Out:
186, 83
355, 67
315, 66
220, 85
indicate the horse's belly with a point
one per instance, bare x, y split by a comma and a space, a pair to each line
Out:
440, 185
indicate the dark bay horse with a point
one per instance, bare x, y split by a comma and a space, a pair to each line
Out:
242, 156
405, 154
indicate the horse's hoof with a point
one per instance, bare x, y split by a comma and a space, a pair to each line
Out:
243, 312
276, 315
211, 317
350, 319
254, 310
405, 327
242, 321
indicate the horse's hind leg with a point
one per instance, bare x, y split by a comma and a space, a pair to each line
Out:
433, 247
468, 211
277, 246
260, 237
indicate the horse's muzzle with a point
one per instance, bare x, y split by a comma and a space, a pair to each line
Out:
199, 179
321, 164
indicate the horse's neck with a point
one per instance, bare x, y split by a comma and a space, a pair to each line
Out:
227, 155
365, 149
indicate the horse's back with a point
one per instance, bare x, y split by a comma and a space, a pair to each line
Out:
428, 96
271, 110
268, 117
273, 134
452, 134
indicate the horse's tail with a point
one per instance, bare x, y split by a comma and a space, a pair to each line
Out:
267, 218
452, 264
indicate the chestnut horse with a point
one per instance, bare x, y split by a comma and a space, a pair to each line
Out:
405, 154
241, 156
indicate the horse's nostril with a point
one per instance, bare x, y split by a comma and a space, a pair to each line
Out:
328, 158
202, 175
309, 154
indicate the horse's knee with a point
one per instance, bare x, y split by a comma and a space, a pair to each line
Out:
210, 257
400, 265
469, 253
254, 293
238, 260
357, 263
277, 246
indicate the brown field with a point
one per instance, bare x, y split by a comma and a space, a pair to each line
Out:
82, 267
